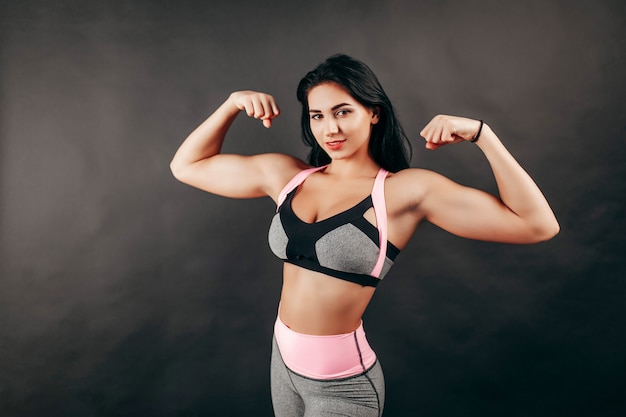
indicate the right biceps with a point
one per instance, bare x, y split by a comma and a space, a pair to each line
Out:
233, 176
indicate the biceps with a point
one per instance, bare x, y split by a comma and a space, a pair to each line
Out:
234, 176
475, 214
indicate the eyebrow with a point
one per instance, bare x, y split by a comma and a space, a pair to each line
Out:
333, 108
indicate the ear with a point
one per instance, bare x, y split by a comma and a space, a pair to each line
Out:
375, 115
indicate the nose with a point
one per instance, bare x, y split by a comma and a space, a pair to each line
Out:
331, 127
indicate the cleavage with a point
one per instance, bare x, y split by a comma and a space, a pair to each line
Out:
328, 212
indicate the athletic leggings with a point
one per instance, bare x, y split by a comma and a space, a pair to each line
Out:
294, 395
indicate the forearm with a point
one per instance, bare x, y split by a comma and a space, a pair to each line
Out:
206, 140
517, 189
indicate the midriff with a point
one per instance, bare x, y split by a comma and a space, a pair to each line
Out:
317, 304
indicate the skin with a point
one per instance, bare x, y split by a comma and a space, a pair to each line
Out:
311, 302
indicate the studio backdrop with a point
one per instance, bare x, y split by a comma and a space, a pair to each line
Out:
126, 293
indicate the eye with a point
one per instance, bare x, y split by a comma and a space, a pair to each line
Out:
342, 112
316, 116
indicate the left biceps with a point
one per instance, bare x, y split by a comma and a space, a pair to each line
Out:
473, 214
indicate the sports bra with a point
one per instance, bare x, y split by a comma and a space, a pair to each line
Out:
345, 246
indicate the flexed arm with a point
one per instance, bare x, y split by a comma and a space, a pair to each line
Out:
199, 163
520, 215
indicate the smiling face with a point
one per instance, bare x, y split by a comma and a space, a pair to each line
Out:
341, 125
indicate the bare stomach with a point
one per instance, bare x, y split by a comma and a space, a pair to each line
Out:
316, 304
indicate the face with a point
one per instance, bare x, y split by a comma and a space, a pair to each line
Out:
340, 124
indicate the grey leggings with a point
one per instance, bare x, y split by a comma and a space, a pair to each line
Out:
294, 395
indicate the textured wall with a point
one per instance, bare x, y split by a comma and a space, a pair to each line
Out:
123, 292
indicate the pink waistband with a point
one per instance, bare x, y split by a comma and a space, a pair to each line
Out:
324, 357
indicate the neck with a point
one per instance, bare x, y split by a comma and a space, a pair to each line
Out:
352, 168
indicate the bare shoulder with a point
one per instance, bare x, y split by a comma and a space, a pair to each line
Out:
280, 165
414, 174
405, 193
408, 187
279, 169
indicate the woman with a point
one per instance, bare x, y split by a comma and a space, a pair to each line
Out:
343, 218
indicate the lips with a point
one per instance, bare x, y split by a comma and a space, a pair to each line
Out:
335, 144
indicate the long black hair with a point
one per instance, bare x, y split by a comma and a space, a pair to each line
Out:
389, 145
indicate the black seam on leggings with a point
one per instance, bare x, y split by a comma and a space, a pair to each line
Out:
292, 384
286, 368
358, 349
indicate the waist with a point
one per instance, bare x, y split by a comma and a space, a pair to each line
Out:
324, 357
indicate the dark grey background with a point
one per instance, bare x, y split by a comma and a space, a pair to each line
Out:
123, 292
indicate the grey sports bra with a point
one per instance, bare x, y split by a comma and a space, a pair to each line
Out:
345, 246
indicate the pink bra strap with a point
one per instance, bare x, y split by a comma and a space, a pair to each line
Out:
380, 211
294, 182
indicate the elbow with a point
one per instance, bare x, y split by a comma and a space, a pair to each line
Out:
546, 231
556, 228
552, 228
177, 171
550, 233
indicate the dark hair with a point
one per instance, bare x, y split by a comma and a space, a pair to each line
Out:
388, 144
